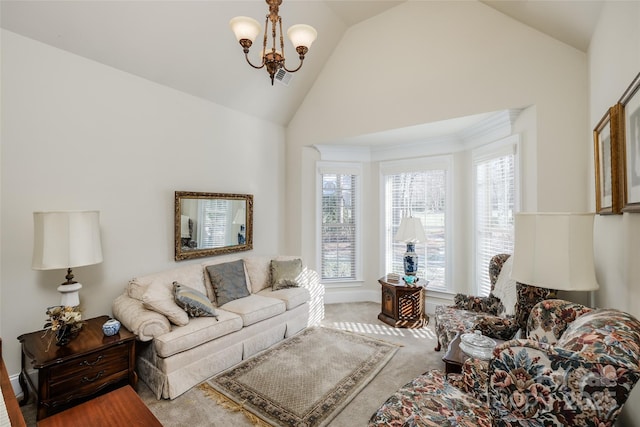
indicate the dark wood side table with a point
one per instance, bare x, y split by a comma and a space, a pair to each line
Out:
402, 305
121, 407
91, 364
454, 358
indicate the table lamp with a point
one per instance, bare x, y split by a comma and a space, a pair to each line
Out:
66, 239
555, 251
410, 232
240, 218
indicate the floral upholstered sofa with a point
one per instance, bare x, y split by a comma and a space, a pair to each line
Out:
577, 368
500, 315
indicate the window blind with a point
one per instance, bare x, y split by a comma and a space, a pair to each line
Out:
495, 202
420, 194
338, 227
213, 217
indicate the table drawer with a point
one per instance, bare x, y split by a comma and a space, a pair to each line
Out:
84, 385
110, 360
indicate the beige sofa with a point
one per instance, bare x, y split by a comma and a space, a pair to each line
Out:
176, 352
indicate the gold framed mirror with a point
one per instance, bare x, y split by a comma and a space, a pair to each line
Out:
208, 224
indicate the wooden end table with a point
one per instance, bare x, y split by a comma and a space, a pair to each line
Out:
402, 305
454, 358
121, 407
91, 364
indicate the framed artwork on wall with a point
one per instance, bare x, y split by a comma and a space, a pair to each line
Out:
630, 117
607, 155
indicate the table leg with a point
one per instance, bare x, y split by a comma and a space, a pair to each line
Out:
22, 380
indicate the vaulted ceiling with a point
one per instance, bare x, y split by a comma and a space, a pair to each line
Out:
188, 46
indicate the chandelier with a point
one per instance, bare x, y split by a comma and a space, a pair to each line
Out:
246, 30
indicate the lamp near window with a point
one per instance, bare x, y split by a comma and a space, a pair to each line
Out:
410, 232
555, 251
66, 239
241, 218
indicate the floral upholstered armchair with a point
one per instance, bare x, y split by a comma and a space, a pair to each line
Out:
500, 315
577, 368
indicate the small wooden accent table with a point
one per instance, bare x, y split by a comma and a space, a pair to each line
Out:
402, 305
119, 408
91, 364
454, 358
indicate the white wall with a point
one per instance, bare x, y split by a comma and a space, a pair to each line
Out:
422, 62
614, 60
79, 135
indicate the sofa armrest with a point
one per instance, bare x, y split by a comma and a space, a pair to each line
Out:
502, 328
528, 379
311, 281
549, 319
144, 323
489, 305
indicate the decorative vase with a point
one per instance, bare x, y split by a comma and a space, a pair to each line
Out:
410, 260
111, 327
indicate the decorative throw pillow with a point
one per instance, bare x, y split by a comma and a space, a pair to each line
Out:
284, 274
228, 280
195, 303
505, 288
258, 270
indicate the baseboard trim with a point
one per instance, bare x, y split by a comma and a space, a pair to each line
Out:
337, 297
15, 385
342, 296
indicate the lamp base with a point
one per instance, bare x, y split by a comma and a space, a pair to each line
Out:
410, 260
70, 294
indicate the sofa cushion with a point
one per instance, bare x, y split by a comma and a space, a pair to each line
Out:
229, 281
198, 331
292, 297
195, 303
255, 308
285, 274
258, 270
190, 275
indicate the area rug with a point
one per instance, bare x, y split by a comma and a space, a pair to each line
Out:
305, 380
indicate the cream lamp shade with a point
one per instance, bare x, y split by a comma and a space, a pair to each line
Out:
555, 251
66, 239
410, 231
240, 216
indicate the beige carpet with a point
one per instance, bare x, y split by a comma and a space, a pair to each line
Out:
414, 357
305, 380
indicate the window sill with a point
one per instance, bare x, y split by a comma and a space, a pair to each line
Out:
344, 284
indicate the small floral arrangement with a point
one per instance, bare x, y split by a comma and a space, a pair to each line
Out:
63, 324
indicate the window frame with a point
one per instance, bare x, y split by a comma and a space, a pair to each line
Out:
506, 146
342, 168
421, 164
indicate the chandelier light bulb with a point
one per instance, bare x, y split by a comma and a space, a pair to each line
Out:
245, 28
302, 35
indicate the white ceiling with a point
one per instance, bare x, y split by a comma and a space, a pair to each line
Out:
187, 45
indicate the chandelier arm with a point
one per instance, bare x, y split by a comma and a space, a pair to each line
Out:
293, 71
246, 56
302, 51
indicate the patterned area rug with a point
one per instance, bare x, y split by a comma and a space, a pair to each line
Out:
305, 380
